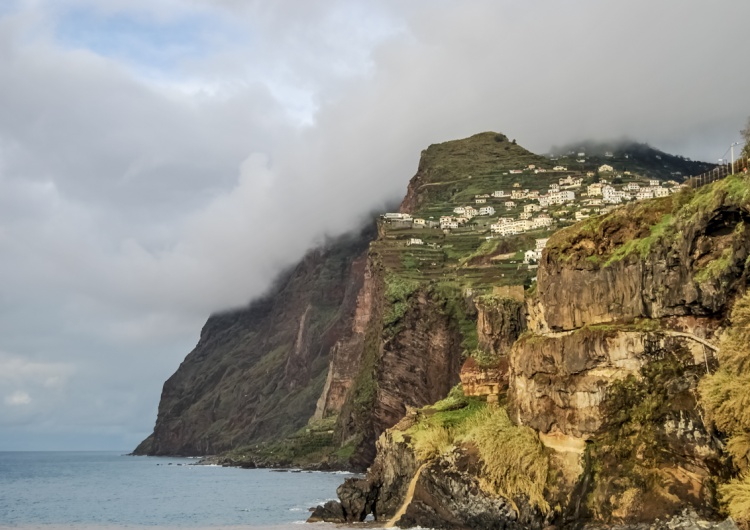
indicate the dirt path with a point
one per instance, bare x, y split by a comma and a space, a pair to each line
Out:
409, 496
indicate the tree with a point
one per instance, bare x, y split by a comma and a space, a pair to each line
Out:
746, 136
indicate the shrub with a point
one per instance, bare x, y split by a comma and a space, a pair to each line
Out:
514, 461
726, 395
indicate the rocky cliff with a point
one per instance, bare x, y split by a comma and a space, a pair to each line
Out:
256, 372
625, 322
622, 325
580, 397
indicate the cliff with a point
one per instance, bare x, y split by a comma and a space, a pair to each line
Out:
256, 372
579, 397
604, 423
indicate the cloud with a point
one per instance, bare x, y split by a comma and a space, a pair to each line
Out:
162, 160
18, 398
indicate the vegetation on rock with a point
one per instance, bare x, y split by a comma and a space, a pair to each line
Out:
726, 396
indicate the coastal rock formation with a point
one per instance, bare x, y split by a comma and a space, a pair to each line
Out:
256, 372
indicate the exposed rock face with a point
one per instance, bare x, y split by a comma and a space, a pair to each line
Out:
410, 363
346, 354
670, 281
446, 497
623, 326
256, 372
560, 381
484, 381
443, 493
500, 321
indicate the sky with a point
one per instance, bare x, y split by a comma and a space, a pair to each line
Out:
163, 159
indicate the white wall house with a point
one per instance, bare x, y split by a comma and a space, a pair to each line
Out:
543, 221
459, 210
480, 200
559, 168
487, 210
606, 168
391, 216
418, 222
414, 241
528, 208
654, 183
470, 212
500, 194
644, 194
509, 205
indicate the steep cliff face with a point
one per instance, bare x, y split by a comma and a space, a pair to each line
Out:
256, 373
411, 357
623, 325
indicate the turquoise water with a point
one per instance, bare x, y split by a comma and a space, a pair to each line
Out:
102, 489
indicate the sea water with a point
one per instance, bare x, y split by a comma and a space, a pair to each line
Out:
105, 489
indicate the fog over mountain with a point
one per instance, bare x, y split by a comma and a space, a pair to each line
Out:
160, 160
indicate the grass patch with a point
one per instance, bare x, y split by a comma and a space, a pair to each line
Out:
642, 246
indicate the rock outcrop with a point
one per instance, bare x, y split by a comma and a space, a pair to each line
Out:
623, 325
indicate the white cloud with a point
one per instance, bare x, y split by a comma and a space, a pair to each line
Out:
18, 398
134, 200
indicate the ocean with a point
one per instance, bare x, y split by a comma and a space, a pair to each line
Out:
54, 490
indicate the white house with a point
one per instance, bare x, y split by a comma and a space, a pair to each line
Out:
533, 194
632, 186
470, 212
529, 256
414, 241
450, 224
525, 215
517, 194
554, 187
654, 183
487, 210
418, 222
561, 197
529, 208
594, 189
459, 210
582, 214
509, 205
559, 168
480, 200
532, 166
606, 168
515, 171
500, 194
661, 192
543, 221
396, 216
541, 243
644, 194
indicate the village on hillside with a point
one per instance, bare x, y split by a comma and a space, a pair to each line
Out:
561, 198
